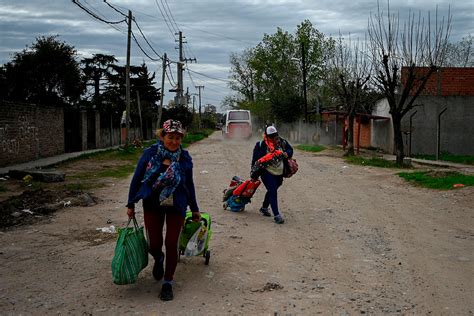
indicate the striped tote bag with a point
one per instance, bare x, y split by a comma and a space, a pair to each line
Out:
131, 254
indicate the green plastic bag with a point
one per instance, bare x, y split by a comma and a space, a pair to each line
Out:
131, 254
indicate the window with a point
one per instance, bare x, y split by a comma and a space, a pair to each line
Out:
240, 115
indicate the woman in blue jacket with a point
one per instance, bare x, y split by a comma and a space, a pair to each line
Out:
270, 154
163, 179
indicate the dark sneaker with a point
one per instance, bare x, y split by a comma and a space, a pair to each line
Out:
265, 211
158, 270
278, 219
166, 292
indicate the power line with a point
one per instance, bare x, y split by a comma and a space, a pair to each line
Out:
176, 29
94, 15
166, 22
143, 35
210, 77
143, 51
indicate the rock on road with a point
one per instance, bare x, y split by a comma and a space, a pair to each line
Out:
357, 240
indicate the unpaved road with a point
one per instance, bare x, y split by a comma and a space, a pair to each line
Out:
357, 240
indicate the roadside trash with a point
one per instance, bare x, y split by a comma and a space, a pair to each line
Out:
68, 203
27, 178
109, 221
27, 211
3, 179
110, 229
345, 167
458, 185
16, 214
204, 172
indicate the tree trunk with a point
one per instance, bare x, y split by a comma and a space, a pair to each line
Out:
350, 137
398, 139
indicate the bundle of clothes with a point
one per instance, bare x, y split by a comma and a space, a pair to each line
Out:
239, 193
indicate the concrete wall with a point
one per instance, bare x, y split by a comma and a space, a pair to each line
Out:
457, 125
29, 132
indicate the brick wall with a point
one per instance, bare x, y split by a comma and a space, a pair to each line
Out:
447, 81
29, 132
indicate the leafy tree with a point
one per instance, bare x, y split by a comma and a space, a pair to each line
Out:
141, 80
97, 69
417, 43
271, 72
242, 75
45, 73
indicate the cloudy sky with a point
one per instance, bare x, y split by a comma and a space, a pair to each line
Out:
212, 28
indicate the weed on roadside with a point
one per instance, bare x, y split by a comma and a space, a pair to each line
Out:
438, 180
311, 148
373, 162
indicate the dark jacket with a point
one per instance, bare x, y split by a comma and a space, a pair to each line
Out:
260, 150
184, 194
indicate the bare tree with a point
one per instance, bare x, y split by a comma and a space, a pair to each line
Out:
419, 42
351, 74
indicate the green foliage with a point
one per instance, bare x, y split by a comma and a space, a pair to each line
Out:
438, 180
311, 148
373, 161
3, 188
269, 77
467, 160
45, 73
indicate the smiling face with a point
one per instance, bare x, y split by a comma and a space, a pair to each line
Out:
172, 141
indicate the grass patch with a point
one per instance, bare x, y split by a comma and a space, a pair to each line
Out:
467, 160
312, 148
373, 162
3, 189
438, 180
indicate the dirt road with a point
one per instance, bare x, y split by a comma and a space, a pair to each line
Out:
357, 240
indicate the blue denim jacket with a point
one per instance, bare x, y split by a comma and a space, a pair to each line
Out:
185, 193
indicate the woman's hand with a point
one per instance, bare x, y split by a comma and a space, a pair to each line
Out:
130, 212
196, 216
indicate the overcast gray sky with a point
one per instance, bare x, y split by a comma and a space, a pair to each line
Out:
213, 28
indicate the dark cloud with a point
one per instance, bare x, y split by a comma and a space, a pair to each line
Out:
213, 28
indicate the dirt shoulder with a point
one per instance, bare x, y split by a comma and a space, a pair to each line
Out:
357, 240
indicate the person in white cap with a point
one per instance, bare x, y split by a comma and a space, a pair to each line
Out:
268, 156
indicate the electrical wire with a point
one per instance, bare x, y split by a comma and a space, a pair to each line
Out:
210, 77
171, 14
169, 18
94, 15
146, 40
143, 51
164, 18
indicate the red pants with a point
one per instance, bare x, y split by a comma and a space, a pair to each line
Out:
154, 222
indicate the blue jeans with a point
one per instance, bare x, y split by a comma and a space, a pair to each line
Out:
272, 183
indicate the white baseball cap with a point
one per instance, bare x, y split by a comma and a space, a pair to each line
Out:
271, 130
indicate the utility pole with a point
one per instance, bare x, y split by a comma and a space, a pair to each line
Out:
127, 78
200, 87
160, 109
303, 62
179, 90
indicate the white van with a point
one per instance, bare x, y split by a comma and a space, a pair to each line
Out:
238, 124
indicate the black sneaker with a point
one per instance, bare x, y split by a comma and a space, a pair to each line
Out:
158, 270
166, 292
278, 219
264, 211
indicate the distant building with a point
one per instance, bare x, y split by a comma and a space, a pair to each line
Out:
209, 108
450, 90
